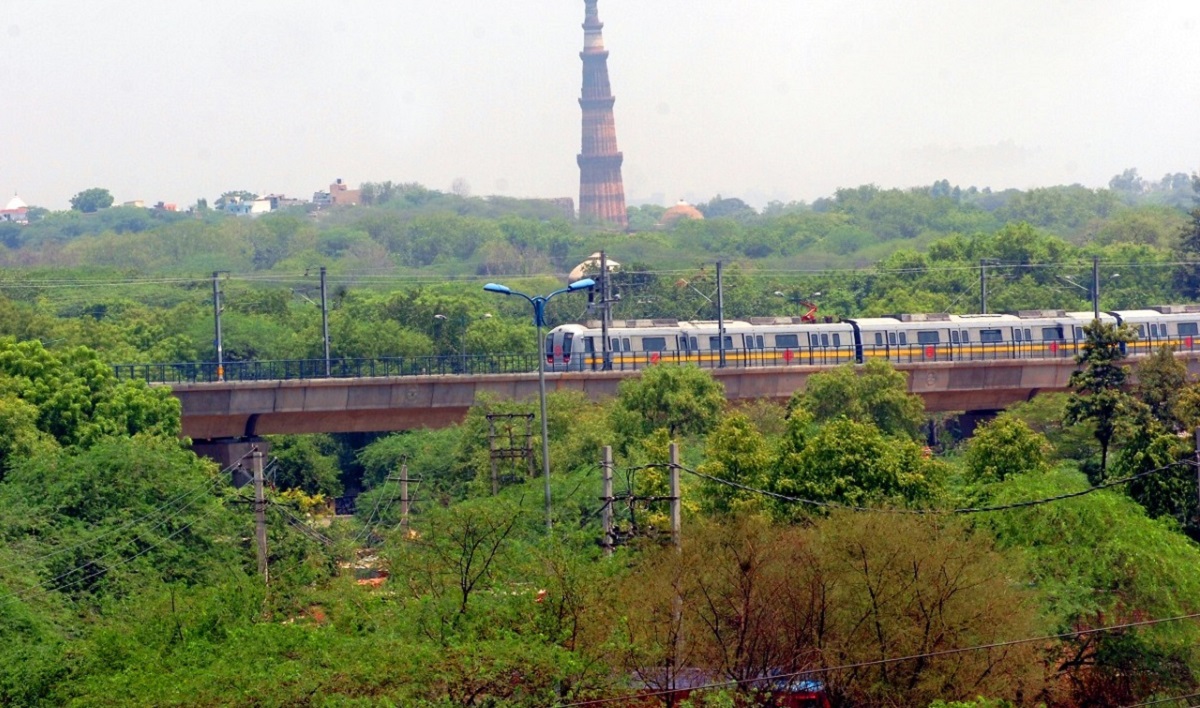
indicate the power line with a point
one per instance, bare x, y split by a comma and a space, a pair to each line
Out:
898, 659
210, 484
1162, 700
920, 512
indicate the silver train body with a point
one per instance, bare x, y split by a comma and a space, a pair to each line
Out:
782, 341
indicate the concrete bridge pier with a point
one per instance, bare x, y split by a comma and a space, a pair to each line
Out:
969, 421
232, 453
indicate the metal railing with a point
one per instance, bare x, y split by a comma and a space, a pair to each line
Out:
292, 369
477, 364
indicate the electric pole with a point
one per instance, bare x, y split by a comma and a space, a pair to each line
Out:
217, 341
676, 499
606, 512
325, 319
720, 316
983, 286
260, 514
1096, 286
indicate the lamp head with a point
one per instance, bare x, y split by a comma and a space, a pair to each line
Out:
581, 284
498, 288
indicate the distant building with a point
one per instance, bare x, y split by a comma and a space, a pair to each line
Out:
601, 190
682, 210
339, 194
15, 212
139, 203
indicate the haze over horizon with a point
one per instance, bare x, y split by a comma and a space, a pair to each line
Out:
766, 100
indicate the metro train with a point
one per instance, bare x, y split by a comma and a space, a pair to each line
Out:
781, 341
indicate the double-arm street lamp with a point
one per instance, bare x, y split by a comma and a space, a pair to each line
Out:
539, 319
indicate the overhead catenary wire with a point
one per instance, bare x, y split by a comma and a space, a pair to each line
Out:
353, 277
211, 483
921, 512
1160, 701
42, 588
897, 659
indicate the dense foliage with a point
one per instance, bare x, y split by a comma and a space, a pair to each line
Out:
828, 535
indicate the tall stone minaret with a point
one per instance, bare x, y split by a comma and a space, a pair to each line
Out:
601, 192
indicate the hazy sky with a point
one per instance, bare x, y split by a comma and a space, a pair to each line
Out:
761, 99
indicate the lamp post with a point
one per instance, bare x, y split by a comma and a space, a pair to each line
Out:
539, 318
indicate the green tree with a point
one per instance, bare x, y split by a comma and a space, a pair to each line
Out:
683, 400
873, 393
1187, 276
1099, 560
851, 463
91, 200
1160, 379
736, 452
1005, 447
1099, 396
306, 462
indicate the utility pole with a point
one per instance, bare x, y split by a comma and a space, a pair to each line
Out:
983, 286
605, 354
405, 501
606, 512
260, 514
720, 316
676, 499
325, 319
217, 341
1096, 286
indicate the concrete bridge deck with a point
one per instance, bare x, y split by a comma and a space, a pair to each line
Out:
245, 409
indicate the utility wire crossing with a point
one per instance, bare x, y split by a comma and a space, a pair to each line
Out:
920, 512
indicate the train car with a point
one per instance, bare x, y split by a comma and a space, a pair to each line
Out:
1177, 326
758, 342
778, 341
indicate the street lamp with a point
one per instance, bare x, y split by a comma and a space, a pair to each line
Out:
539, 319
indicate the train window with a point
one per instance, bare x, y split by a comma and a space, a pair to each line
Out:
683, 343
1052, 334
1028, 336
954, 336
693, 343
614, 345
1079, 332
550, 345
837, 339
815, 340
1153, 330
991, 336
787, 341
824, 340
928, 337
567, 337
892, 338
625, 344
966, 337
654, 344
715, 342
758, 341
1017, 334
1188, 329
903, 338
879, 339
589, 345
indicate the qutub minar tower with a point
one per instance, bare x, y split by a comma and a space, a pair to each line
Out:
601, 192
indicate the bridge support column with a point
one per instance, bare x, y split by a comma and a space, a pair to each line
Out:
970, 420
228, 451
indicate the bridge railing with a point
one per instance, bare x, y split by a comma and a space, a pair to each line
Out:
475, 364
291, 369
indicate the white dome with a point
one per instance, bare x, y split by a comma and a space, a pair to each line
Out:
16, 203
591, 266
